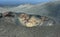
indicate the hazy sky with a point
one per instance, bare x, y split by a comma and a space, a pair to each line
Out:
17, 2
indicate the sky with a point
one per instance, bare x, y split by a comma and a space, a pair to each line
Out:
19, 2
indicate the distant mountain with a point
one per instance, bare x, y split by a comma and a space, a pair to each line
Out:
46, 9
22, 8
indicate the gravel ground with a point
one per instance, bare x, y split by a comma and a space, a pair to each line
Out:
9, 28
